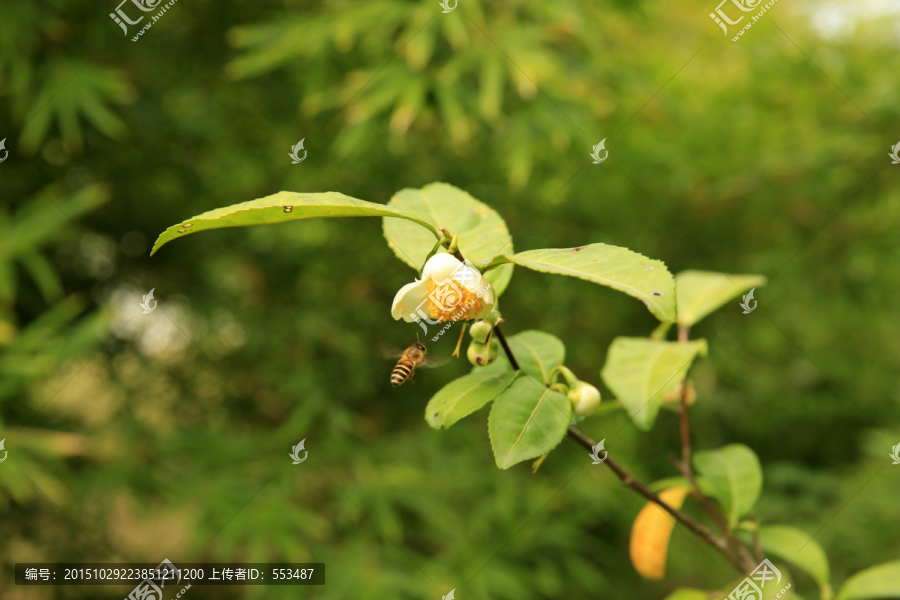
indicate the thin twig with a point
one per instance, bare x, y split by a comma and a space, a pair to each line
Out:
741, 562
629, 480
506, 348
685, 428
685, 465
756, 548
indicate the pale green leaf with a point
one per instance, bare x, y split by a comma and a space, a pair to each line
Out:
290, 206
527, 421
640, 372
536, 352
798, 548
465, 395
619, 268
881, 581
481, 232
701, 292
734, 477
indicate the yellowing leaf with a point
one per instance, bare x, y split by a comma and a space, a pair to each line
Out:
651, 532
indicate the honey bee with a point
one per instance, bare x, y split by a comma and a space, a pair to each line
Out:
412, 357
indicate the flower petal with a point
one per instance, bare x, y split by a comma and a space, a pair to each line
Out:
489, 299
440, 267
408, 300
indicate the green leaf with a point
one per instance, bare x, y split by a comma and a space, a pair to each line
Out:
535, 351
734, 477
640, 372
619, 268
786, 543
881, 581
462, 397
481, 232
288, 206
688, 594
527, 421
701, 292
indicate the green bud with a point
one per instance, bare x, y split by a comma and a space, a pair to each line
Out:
494, 317
480, 331
480, 354
585, 399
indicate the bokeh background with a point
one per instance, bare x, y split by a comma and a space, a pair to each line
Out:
136, 437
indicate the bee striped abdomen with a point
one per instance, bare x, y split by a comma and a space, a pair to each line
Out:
402, 371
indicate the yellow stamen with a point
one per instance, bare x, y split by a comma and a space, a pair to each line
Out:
451, 301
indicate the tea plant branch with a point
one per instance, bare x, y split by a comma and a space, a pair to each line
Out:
756, 548
506, 348
685, 467
630, 481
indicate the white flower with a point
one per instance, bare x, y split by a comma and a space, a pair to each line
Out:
450, 290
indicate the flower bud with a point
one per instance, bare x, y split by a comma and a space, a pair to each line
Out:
480, 354
585, 399
480, 331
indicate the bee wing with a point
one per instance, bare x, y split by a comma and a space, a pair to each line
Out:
431, 363
389, 352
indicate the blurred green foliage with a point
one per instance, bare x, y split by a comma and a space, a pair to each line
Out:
134, 437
